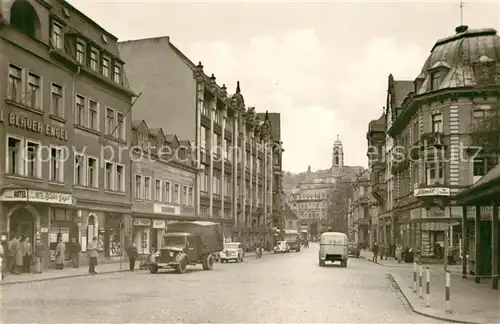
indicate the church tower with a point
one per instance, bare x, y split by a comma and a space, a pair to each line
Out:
337, 158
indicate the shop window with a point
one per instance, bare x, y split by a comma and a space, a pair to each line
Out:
142, 240
108, 176
14, 155
147, 188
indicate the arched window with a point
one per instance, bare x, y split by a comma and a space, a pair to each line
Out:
24, 17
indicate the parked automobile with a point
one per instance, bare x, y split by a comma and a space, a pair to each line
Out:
353, 249
281, 247
232, 251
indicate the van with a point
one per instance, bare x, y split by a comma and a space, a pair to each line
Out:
333, 247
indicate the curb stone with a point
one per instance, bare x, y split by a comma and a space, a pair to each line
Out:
6, 283
440, 318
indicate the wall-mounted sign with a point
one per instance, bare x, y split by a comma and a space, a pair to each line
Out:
44, 230
166, 209
36, 196
142, 222
432, 191
159, 224
34, 126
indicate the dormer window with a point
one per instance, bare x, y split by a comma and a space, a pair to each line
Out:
94, 59
105, 67
117, 73
435, 78
80, 52
57, 35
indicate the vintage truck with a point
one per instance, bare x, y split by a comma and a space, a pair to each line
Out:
292, 238
188, 243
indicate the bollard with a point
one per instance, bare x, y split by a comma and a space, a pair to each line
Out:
420, 282
427, 287
447, 291
414, 277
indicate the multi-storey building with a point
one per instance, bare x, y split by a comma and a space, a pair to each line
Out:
309, 202
164, 180
380, 155
458, 84
233, 148
361, 215
63, 123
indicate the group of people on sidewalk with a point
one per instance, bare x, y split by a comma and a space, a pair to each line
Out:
385, 252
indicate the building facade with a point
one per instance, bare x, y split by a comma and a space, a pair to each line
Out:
164, 180
458, 85
310, 204
233, 147
63, 121
361, 213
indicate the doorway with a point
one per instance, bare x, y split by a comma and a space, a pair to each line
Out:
22, 223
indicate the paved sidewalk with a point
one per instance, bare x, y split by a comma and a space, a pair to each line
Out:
67, 272
470, 302
368, 255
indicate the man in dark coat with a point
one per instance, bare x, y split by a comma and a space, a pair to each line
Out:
74, 249
132, 255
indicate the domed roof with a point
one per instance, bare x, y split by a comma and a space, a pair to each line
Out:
338, 142
457, 55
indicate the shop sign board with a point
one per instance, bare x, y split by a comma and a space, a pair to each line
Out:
34, 126
166, 209
432, 191
142, 222
159, 223
37, 196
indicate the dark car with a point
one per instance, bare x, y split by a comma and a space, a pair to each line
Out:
353, 249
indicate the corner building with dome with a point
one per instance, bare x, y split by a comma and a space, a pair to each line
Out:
458, 86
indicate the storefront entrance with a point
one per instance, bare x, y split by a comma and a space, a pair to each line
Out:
22, 223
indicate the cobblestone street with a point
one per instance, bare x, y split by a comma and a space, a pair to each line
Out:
277, 288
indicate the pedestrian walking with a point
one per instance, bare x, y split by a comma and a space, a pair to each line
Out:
74, 249
132, 255
2, 254
28, 255
92, 254
375, 252
60, 252
382, 251
38, 253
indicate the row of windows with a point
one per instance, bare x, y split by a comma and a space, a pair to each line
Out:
89, 55
163, 191
25, 157
26, 88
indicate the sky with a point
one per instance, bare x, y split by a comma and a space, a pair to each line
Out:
323, 65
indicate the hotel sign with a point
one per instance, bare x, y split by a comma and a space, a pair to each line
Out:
432, 191
37, 196
34, 126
